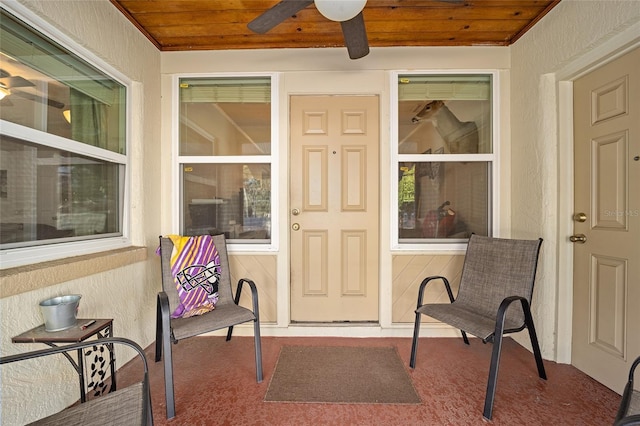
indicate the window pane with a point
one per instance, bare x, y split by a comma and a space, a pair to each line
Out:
225, 116
444, 114
45, 87
50, 194
443, 200
234, 199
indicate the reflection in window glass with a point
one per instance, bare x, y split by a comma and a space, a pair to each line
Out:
53, 188
45, 87
50, 194
443, 200
225, 116
226, 122
234, 199
444, 115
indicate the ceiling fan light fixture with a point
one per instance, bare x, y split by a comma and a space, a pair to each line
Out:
340, 10
4, 92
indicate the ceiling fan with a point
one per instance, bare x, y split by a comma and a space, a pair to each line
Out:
7, 80
347, 12
13, 84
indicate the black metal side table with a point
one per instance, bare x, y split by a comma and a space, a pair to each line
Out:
93, 357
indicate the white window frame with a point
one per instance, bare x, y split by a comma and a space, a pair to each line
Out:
396, 158
273, 159
52, 251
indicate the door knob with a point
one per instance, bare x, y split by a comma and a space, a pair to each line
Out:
580, 217
295, 226
295, 212
578, 238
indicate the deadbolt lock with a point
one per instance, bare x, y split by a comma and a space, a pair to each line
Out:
295, 226
580, 217
295, 212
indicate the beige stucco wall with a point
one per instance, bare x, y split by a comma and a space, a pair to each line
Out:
571, 31
121, 286
330, 71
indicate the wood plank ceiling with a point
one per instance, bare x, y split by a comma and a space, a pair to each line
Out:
180, 25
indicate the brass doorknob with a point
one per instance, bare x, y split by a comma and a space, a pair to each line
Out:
578, 238
295, 212
295, 226
580, 217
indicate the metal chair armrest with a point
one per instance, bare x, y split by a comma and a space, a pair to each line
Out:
426, 281
502, 312
254, 292
163, 322
163, 304
74, 346
629, 421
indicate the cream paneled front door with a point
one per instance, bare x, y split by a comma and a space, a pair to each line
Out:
334, 208
606, 286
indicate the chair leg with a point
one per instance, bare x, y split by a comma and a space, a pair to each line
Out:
414, 342
229, 332
493, 376
537, 354
258, 348
149, 409
158, 334
464, 337
168, 370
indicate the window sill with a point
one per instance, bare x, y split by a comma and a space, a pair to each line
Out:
22, 279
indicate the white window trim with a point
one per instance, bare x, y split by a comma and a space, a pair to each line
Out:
494, 190
273, 159
10, 258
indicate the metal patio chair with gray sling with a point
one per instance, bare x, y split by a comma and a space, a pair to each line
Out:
629, 409
494, 299
129, 405
227, 314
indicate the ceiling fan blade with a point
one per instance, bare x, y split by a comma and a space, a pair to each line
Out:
29, 96
355, 37
16, 81
278, 13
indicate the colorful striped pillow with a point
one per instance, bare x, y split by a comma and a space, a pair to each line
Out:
195, 266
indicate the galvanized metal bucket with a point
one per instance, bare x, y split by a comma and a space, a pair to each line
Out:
60, 312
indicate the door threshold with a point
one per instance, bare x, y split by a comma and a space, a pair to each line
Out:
345, 323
